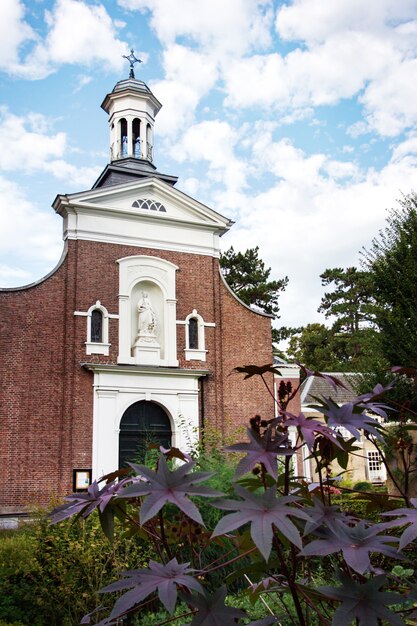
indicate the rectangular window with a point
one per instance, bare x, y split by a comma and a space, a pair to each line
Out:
376, 468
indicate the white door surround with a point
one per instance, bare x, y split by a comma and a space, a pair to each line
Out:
116, 388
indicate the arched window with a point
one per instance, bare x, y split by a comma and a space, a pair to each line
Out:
149, 143
96, 335
97, 330
193, 333
136, 148
142, 424
195, 349
123, 138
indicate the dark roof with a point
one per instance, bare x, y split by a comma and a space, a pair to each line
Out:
316, 386
128, 170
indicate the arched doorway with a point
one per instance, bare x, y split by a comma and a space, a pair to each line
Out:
142, 423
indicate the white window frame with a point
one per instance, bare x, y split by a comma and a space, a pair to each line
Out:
195, 354
103, 346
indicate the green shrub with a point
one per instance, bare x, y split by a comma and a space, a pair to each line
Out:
363, 485
50, 575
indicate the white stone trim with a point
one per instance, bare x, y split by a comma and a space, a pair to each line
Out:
161, 276
115, 389
97, 347
195, 354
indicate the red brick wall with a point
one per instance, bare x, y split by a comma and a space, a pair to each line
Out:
246, 340
47, 397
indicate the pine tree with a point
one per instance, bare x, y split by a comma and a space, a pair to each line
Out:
247, 276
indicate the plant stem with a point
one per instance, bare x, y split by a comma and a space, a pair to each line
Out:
291, 582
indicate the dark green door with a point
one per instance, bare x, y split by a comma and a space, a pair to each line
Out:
142, 423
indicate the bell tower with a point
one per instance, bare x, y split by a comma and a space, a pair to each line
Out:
132, 109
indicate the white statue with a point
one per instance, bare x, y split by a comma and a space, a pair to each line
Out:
146, 318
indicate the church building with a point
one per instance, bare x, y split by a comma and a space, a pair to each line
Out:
133, 337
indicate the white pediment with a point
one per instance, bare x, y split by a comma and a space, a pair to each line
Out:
148, 213
165, 203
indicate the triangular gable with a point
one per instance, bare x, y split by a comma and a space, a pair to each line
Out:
149, 198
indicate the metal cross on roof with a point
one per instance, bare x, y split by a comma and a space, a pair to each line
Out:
132, 60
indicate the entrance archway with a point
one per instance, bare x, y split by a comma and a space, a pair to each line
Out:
142, 423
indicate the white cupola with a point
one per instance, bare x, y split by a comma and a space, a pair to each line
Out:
132, 108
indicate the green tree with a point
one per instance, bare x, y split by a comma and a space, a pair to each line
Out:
318, 348
392, 261
247, 276
351, 302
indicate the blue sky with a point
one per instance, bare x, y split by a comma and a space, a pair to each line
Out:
296, 119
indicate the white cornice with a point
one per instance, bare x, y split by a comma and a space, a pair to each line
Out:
126, 240
143, 370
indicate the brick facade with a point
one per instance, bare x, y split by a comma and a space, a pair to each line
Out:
46, 422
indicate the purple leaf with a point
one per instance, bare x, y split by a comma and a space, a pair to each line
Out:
262, 449
212, 610
330, 516
165, 486
364, 603
307, 426
332, 380
262, 512
367, 400
158, 577
347, 417
256, 370
408, 516
85, 503
356, 543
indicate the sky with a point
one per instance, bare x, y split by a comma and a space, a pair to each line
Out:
295, 119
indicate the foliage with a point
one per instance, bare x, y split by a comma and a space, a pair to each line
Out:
351, 302
50, 575
392, 262
318, 347
247, 276
275, 535
352, 338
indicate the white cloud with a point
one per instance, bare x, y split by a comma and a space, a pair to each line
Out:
323, 74
28, 144
78, 33
315, 20
14, 31
391, 101
189, 76
214, 142
222, 28
27, 234
312, 217
22, 147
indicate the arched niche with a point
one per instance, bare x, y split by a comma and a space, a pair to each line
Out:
156, 277
156, 298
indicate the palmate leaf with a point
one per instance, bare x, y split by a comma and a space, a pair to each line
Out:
165, 486
307, 426
363, 602
368, 401
212, 611
157, 577
350, 417
332, 380
85, 503
329, 515
262, 449
262, 512
256, 370
356, 543
408, 516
